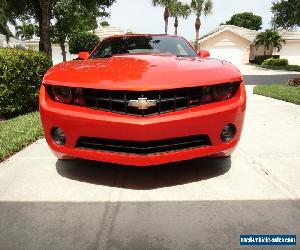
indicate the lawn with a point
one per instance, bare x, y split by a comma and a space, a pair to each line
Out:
287, 68
19, 132
279, 91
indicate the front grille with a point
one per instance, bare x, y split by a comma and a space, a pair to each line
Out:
143, 147
166, 100
163, 100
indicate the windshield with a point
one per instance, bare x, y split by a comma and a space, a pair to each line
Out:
143, 44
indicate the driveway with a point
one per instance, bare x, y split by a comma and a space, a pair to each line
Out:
257, 76
198, 204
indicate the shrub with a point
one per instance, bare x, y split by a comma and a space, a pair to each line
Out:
294, 82
21, 73
259, 59
82, 41
275, 62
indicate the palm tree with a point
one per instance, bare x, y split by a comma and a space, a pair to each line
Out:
166, 4
179, 9
269, 39
200, 7
26, 31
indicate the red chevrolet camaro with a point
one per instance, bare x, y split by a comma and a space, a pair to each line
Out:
143, 100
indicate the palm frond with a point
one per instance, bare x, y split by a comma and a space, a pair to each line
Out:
208, 6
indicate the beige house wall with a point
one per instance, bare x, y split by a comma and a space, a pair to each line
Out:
291, 50
56, 51
258, 51
228, 39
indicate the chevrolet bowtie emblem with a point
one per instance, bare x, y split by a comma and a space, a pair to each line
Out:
142, 103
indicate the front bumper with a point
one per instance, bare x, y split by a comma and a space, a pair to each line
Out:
201, 120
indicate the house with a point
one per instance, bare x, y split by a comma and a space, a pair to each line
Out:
33, 44
107, 31
13, 42
101, 32
235, 44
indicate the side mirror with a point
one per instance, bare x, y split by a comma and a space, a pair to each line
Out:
83, 55
203, 53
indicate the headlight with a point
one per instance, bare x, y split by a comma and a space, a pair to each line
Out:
62, 94
67, 95
223, 92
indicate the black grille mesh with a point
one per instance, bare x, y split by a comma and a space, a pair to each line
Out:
166, 100
143, 147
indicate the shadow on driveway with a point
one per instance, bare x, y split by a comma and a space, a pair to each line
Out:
207, 224
143, 178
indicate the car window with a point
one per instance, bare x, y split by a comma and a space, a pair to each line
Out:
143, 44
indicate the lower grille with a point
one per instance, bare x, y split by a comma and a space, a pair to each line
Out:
143, 147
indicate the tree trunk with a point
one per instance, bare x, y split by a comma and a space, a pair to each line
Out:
166, 18
176, 25
197, 27
63, 49
7, 38
43, 15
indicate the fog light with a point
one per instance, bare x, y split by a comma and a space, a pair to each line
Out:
58, 136
228, 133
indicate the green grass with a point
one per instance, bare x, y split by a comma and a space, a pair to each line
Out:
287, 68
280, 92
19, 132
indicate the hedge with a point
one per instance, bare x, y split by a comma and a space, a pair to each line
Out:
21, 73
275, 62
82, 42
259, 59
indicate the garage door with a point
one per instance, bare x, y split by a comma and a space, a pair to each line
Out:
291, 52
231, 54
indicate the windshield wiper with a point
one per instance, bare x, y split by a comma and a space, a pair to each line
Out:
184, 56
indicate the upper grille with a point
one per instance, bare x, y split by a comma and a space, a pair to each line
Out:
165, 100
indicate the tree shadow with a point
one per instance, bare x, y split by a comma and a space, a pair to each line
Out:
129, 177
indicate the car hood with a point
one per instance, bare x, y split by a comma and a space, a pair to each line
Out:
142, 72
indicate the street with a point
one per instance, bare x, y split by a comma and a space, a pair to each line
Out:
255, 75
196, 204
268, 79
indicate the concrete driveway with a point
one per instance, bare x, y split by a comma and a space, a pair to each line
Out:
198, 204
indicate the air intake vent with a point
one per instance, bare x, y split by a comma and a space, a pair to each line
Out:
143, 147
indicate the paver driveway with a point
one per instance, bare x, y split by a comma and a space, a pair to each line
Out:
198, 204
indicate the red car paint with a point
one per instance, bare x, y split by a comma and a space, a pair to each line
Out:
142, 72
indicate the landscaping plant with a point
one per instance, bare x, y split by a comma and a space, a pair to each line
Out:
21, 73
275, 62
294, 82
82, 41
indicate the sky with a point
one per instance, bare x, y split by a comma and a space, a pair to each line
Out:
141, 17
